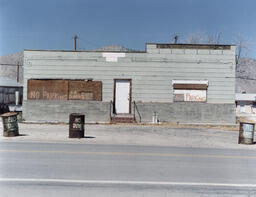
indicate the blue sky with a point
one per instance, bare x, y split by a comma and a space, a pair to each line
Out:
51, 24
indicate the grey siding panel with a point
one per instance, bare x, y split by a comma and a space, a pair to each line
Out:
162, 74
151, 81
80, 56
127, 69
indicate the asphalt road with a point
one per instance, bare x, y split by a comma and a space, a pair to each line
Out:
59, 169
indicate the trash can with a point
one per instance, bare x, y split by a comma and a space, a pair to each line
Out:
10, 124
76, 125
246, 133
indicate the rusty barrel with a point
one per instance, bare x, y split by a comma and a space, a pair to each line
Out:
246, 133
76, 125
10, 124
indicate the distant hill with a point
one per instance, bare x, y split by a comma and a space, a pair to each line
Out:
246, 76
8, 67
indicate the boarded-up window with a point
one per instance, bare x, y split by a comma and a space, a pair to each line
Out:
85, 90
48, 89
188, 92
64, 90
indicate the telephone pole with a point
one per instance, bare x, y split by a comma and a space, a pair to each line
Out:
176, 39
18, 72
75, 38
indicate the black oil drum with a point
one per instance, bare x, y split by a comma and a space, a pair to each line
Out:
10, 124
246, 133
76, 125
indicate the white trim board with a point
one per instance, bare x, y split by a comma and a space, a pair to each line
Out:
189, 82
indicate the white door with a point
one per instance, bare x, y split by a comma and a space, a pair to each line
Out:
122, 97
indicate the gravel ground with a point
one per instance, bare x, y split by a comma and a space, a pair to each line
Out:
151, 135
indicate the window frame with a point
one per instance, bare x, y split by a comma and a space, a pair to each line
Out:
190, 85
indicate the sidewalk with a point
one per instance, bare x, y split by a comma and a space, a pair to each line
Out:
150, 135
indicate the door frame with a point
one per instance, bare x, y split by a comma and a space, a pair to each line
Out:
130, 95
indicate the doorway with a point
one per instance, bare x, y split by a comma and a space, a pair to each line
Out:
122, 96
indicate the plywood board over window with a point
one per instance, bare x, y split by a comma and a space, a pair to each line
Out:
185, 91
48, 89
85, 90
64, 90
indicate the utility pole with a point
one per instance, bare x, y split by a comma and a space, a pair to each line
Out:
75, 38
176, 39
18, 72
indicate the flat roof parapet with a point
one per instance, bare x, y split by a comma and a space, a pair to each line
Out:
191, 46
118, 49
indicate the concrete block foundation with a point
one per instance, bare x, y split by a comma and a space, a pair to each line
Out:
188, 112
58, 111
99, 112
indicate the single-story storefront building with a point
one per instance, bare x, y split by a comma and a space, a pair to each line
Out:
186, 83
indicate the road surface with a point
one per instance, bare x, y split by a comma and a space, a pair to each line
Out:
59, 169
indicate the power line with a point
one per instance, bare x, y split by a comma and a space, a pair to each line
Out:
10, 64
246, 78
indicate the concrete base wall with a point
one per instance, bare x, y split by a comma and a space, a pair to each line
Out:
58, 111
188, 112
95, 111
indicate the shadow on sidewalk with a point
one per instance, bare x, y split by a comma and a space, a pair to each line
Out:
89, 137
23, 135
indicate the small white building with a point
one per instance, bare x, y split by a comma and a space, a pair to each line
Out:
245, 104
11, 94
